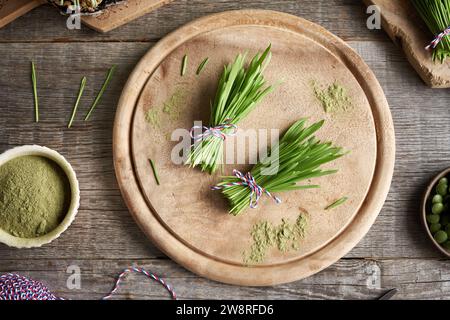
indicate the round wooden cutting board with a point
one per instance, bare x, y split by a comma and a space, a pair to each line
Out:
187, 220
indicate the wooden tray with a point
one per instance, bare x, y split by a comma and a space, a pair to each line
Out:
403, 25
189, 222
118, 15
111, 18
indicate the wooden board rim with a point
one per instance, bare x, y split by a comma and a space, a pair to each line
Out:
264, 275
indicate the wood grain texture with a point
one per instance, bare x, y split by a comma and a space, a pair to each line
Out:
414, 278
396, 241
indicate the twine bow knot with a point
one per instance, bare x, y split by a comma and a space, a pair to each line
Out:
438, 39
217, 131
248, 180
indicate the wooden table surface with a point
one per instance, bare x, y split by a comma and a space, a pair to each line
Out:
104, 238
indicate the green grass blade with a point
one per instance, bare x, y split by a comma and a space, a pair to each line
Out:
336, 203
155, 173
202, 66
102, 90
75, 107
35, 95
184, 65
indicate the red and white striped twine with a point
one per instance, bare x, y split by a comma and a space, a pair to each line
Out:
249, 181
217, 131
150, 275
16, 287
438, 39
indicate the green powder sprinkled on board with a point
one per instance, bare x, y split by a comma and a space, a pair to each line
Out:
285, 236
171, 108
333, 98
152, 117
34, 196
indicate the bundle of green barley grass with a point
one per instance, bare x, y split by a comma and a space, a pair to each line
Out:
297, 157
436, 14
239, 91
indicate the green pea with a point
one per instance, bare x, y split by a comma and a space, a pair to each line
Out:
440, 236
433, 218
446, 245
437, 208
445, 220
435, 227
443, 180
437, 199
442, 189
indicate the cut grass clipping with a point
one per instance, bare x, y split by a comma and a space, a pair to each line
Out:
155, 173
184, 65
300, 157
240, 89
436, 14
35, 95
337, 203
77, 102
202, 66
102, 90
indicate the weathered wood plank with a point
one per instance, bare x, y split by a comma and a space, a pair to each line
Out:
111, 233
346, 18
347, 279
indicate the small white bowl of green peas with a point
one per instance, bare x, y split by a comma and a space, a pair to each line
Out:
436, 211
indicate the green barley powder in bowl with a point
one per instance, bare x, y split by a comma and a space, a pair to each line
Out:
39, 196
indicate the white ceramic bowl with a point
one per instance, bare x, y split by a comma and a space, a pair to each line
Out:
33, 150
